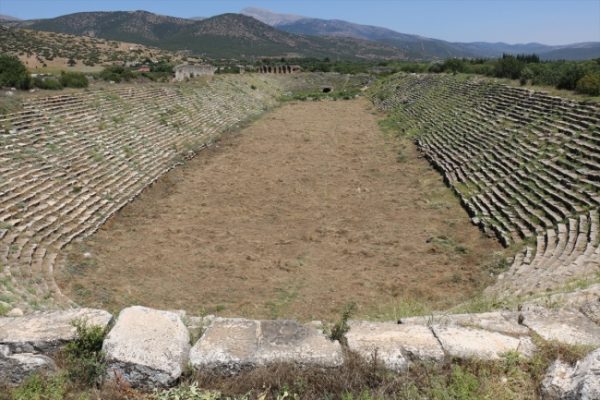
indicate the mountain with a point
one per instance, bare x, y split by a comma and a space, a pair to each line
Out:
270, 18
8, 18
415, 46
127, 26
578, 51
222, 36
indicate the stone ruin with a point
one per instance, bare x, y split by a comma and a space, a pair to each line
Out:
279, 69
190, 71
524, 164
151, 348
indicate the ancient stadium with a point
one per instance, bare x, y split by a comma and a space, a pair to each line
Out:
276, 233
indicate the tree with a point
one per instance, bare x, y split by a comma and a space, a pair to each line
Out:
589, 84
71, 62
569, 76
13, 72
509, 67
454, 65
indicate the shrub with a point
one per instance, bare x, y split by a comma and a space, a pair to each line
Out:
454, 65
73, 79
526, 75
569, 77
339, 330
589, 84
117, 74
13, 72
84, 356
48, 83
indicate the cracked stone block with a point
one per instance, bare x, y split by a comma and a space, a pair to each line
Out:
15, 368
464, 342
45, 332
580, 382
495, 321
396, 345
563, 326
147, 348
232, 344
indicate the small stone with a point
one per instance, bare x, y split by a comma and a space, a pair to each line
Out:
15, 312
147, 348
592, 311
231, 344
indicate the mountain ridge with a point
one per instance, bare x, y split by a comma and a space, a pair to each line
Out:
419, 46
234, 35
223, 36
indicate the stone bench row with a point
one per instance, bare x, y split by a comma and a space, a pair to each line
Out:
523, 163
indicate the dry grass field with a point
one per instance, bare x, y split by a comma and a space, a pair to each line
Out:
307, 209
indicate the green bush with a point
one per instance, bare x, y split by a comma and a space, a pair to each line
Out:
589, 84
73, 79
47, 84
84, 356
569, 76
13, 72
117, 73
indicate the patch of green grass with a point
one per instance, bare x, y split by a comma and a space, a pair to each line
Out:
186, 392
447, 244
39, 387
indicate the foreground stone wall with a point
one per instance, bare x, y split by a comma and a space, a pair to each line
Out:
151, 348
526, 166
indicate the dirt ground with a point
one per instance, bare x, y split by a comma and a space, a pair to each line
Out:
306, 210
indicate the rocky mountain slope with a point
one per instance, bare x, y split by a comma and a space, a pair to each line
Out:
227, 35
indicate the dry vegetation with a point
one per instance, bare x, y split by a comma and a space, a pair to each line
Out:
48, 51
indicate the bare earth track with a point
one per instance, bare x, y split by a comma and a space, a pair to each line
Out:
304, 211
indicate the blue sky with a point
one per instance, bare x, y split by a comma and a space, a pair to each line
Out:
512, 21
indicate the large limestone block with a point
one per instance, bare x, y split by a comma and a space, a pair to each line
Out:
147, 348
14, 368
232, 344
581, 382
45, 332
463, 342
395, 345
563, 326
495, 321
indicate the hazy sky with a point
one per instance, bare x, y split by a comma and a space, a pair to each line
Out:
512, 21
